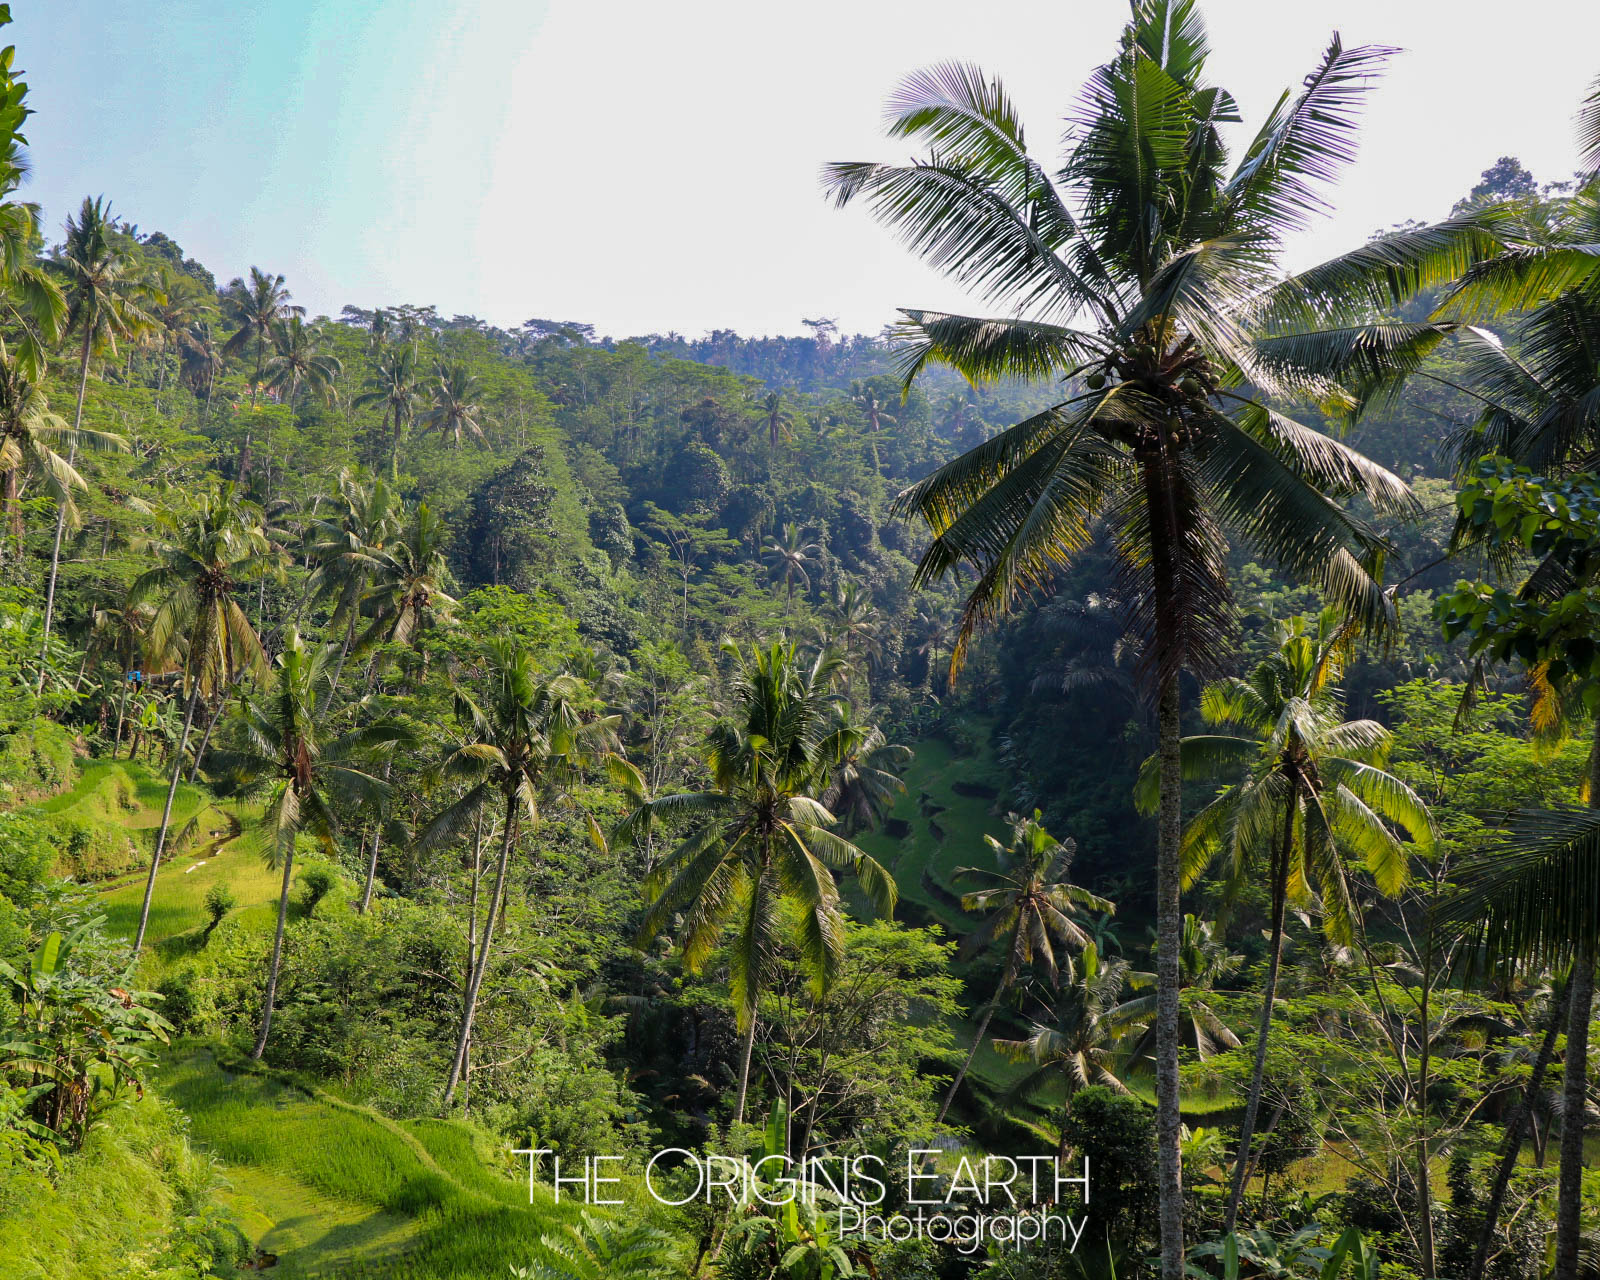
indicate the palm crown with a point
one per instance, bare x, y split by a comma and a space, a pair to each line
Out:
1148, 266
761, 834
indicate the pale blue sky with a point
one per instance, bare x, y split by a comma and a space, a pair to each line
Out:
646, 165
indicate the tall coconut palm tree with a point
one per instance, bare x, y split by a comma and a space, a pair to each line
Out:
347, 546
864, 776
103, 297
857, 624
203, 553
257, 306
791, 556
865, 398
310, 781
393, 386
1145, 281
410, 581
455, 411
760, 836
1535, 899
1075, 1037
1308, 792
527, 742
300, 360
780, 421
29, 437
408, 595
1030, 905
177, 305
1204, 963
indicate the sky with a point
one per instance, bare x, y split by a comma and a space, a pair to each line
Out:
647, 166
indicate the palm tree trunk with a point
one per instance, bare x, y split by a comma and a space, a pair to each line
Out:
1574, 1086
745, 1054
977, 1040
1252, 1107
61, 511
277, 955
205, 738
377, 840
1513, 1139
1574, 1099
472, 946
1424, 1061
344, 652
1168, 924
13, 509
166, 817
476, 985
122, 712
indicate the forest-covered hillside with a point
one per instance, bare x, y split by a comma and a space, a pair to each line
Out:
1155, 725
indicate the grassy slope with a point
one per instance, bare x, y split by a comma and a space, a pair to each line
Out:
332, 1189
339, 1190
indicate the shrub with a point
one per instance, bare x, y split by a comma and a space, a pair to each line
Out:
219, 901
36, 762
26, 856
318, 880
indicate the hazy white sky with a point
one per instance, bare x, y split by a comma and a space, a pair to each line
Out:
649, 166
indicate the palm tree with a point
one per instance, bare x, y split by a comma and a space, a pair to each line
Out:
203, 553
1074, 1038
29, 433
1150, 272
179, 303
856, 620
1535, 899
779, 420
102, 297
527, 744
1029, 902
761, 836
348, 548
299, 359
393, 385
407, 596
309, 779
455, 410
1309, 791
791, 555
258, 306
864, 775
866, 399
1204, 962
410, 577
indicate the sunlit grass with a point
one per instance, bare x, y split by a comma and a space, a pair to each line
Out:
350, 1193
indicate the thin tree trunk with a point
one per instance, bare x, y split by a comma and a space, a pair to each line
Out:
1513, 1140
377, 840
1574, 1086
61, 510
122, 712
1424, 1062
344, 652
745, 1054
166, 817
277, 956
1574, 1098
977, 1040
472, 946
1247, 1128
482, 966
1168, 917
205, 738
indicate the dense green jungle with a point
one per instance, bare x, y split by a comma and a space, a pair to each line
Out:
1154, 726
